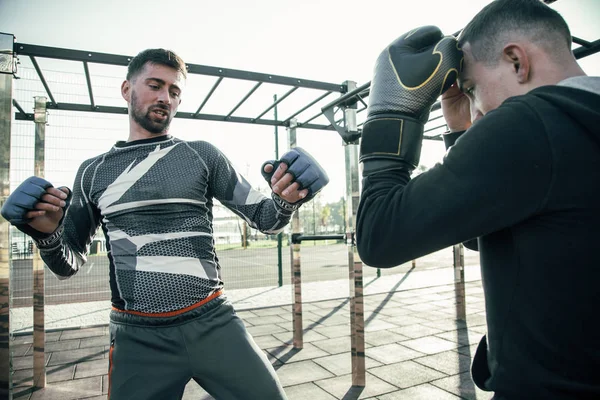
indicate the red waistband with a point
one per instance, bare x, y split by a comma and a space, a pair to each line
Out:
172, 313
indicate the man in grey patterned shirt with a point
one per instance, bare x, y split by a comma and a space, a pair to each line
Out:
153, 196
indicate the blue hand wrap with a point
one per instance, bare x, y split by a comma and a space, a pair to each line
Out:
23, 199
304, 168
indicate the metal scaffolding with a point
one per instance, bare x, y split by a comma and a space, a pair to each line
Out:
341, 113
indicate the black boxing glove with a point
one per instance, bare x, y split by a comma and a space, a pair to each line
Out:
409, 75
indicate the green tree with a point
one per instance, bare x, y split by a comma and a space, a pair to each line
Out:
338, 214
325, 217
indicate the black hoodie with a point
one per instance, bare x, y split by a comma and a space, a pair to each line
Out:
525, 182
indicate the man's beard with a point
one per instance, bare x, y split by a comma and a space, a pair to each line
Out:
146, 120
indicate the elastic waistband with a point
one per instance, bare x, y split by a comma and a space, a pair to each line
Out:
168, 318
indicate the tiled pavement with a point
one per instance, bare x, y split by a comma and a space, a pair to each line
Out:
416, 348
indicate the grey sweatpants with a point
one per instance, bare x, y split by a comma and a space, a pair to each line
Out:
153, 358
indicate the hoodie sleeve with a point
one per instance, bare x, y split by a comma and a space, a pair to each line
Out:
449, 140
496, 175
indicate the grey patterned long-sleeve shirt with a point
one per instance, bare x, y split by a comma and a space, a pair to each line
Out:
153, 199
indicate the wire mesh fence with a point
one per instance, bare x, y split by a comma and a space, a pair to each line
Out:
247, 257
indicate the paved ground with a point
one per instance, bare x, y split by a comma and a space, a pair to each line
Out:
416, 348
254, 267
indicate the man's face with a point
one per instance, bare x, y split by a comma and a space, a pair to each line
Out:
153, 96
486, 86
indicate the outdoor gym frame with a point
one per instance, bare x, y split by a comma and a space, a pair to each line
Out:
347, 103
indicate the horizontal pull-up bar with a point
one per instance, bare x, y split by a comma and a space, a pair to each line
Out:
297, 238
120, 60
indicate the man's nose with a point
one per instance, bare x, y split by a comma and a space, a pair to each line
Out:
164, 96
475, 113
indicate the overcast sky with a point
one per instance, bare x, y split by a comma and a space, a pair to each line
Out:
324, 40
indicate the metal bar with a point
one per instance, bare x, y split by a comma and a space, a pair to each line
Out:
280, 234
89, 83
292, 90
435, 118
210, 93
295, 261
436, 138
580, 41
86, 108
593, 48
25, 49
18, 106
41, 75
357, 326
244, 99
435, 127
357, 111
300, 238
113, 59
357, 319
184, 115
459, 282
205, 117
350, 97
310, 119
363, 91
246, 120
266, 78
39, 336
306, 107
6, 94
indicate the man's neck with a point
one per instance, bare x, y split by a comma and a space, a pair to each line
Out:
136, 132
132, 137
557, 72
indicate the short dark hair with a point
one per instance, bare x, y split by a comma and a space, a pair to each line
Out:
155, 56
489, 30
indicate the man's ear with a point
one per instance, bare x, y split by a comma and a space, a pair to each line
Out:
517, 56
126, 91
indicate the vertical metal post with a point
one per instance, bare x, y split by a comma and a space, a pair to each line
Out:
279, 235
39, 334
459, 282
357, 319
295, 258
6, 70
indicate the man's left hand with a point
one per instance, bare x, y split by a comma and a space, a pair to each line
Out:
296, 178
284, 185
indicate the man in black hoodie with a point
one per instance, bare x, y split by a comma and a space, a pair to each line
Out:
521, 185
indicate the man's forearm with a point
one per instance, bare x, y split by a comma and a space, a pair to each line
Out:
60, 259
449, 139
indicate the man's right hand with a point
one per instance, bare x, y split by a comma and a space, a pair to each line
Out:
456, 109
36, 203
410, 74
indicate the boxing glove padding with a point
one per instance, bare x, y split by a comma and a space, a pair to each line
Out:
409, 75
391, 141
